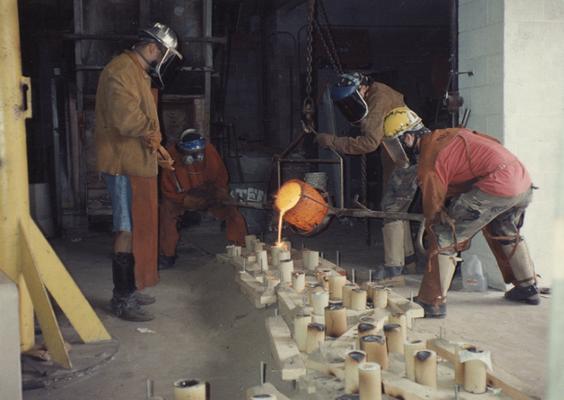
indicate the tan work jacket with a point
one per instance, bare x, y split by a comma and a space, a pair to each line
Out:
125, 113
380, 99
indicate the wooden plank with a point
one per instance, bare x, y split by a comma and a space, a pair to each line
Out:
284, 350
255, 291
399, 304
446, 349
267, 388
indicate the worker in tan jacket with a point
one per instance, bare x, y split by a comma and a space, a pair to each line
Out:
128, 154
470, 183
365, 102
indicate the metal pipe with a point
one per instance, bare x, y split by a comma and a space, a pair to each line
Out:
110, 36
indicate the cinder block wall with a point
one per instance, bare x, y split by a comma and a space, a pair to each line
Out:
534, 111
480, 49
515, 50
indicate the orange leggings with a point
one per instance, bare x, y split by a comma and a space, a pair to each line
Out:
170, 213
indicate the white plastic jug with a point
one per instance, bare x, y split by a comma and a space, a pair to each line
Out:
473, 279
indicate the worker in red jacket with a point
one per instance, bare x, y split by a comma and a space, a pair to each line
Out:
199, 183
469, 183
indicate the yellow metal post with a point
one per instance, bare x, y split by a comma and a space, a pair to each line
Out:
25, 256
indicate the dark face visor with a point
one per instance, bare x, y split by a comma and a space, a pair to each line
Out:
353, 107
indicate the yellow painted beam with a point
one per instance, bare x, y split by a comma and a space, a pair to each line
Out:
27, 322
43, 309
63, 289
23, 249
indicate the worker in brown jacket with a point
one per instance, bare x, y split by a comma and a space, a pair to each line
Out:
470, 183
198, 183
128, 154
365, 102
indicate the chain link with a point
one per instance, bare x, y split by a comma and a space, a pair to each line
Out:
308, 106
330, 48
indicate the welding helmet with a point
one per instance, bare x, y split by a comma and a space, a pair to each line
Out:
397, 123
192, 146
346, 96
167, 41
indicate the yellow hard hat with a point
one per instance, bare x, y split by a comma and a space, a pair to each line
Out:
401, 120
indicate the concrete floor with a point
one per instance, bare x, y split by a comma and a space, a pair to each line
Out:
204, 328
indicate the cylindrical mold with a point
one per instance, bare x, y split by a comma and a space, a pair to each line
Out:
353, 359
393, 338
285, 255
335, 320
262, 260
375, 348
301, 322
315, 336
286, 269
259, 246
366, 329
358, 299
322, 275
275, 254
319, 300
310, 259
311, 289
237, 251
230, 250
370, 381
287, 245
410, 349
475, 375
298, 281
336, 283
250, 243
380, 297
318, 319
347, 291
458, 366
426, 368
190, 389
369, 286
401, 320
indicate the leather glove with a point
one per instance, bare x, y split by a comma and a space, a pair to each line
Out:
445, 219
164, 159
153, 140
196, 203
325, 140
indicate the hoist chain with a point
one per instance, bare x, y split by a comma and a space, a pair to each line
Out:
330, 48
308, 106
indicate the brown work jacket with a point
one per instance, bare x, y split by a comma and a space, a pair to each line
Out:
434, 191
125, 113
381, 99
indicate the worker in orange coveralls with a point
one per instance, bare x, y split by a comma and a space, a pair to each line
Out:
199, 183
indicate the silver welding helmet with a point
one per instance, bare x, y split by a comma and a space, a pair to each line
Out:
397, 123
192, 146
346, 96
167, 40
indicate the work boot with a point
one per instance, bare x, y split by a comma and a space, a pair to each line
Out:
166, 262
432, 311
123, 303
143, 299
524, 294
383, 272
128, 309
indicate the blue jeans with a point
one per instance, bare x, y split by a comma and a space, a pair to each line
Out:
120, 192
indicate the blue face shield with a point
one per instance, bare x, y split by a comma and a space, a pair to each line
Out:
193, 150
